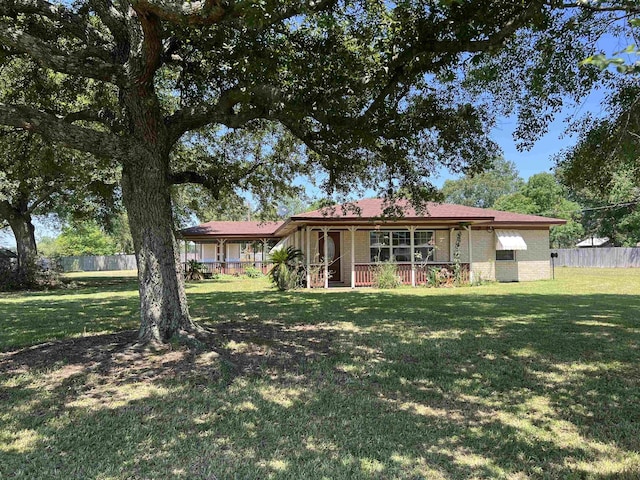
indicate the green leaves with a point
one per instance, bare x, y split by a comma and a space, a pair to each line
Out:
287, 271
482, 190
622, 64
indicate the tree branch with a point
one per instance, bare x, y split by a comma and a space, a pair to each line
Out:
630, 7
406, 65
83, 63
74, 23
213, 184
43, 198
199, 12
222, 112
54, 128
104, 117
113, 19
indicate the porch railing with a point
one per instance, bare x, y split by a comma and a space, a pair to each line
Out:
233, 268
365, 272
316, 271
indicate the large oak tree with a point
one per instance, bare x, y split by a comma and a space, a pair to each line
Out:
367, 92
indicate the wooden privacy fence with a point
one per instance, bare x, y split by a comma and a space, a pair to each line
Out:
616, 257
98, 263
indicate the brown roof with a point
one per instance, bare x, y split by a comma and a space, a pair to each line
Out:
373, 208
232, 229
368, 209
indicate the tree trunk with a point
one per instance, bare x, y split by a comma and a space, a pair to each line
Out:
147, 197
24, 233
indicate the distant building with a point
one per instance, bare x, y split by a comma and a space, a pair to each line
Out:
595, 242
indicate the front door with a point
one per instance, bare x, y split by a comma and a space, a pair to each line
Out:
333, 249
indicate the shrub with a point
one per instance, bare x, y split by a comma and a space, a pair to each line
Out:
287, 272
44, 275
440, 277
252, 272
385, 275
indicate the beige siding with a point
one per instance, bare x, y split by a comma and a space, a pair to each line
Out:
363, 253
464, 244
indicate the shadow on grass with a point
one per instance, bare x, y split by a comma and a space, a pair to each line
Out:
349, 385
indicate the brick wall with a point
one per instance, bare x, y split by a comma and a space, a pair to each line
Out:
483, 254
530, 264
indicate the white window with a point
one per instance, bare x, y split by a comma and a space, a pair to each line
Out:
401, 242
424, 245
380, 246
396, 246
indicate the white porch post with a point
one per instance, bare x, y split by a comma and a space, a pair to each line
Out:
412, 243
308, 254
470, 254
451, 244
353, 229
263, 263
221, 253
325, 231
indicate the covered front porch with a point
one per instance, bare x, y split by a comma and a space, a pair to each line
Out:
232, 256
350, 256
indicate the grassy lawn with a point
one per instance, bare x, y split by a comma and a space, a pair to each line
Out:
514, 381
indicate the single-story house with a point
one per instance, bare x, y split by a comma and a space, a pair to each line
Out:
343, 244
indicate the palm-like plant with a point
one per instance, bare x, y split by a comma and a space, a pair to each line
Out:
195, 270
287, 263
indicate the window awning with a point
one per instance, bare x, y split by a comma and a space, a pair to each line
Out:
509, 240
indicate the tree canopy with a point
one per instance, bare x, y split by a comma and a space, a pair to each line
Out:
482, 190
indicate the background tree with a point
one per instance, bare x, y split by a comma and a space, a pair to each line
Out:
368, 92
603, 170
118, 229
38, 177
544, 195
482, 190
86, 238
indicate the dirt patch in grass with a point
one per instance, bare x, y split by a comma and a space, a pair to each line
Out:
89, 351
244, 347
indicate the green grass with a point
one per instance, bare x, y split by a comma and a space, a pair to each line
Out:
514, 381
